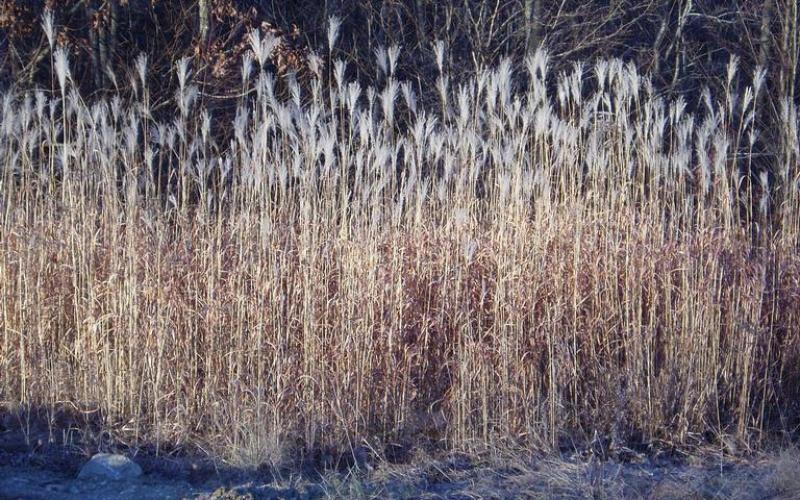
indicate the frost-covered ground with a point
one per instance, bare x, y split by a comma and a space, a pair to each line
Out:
53, 475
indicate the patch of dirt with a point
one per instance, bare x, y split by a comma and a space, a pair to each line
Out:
547, 478
47, 472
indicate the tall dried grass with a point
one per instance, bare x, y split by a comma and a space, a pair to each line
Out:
516, 267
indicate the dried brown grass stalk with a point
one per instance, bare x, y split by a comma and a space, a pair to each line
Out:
518, 270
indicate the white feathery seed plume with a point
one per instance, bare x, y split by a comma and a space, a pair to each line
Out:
382, 59
141, 68
334, 23
262, 47
315, 63
438, 50
61, 60
247, 66
339, 68
394, 54
183, 71
254, 38
733, 67
388, 98
601, 71
48, 27
759, 76
409, 96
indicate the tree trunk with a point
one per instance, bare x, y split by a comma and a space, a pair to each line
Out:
683, 14
792, 49
111, 39
6, 61
95, 35
422, 24
204, 21
765, 38
384, 19
533, 23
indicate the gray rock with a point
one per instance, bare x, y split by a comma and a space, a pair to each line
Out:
108, 466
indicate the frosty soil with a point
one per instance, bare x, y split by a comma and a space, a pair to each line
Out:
49, 475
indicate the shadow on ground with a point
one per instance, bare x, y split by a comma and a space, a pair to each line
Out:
31, 469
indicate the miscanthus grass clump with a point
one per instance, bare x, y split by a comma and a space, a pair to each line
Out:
513, 267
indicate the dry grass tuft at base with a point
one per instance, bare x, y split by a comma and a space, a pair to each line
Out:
785, 480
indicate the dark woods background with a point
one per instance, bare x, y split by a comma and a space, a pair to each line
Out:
685, 44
